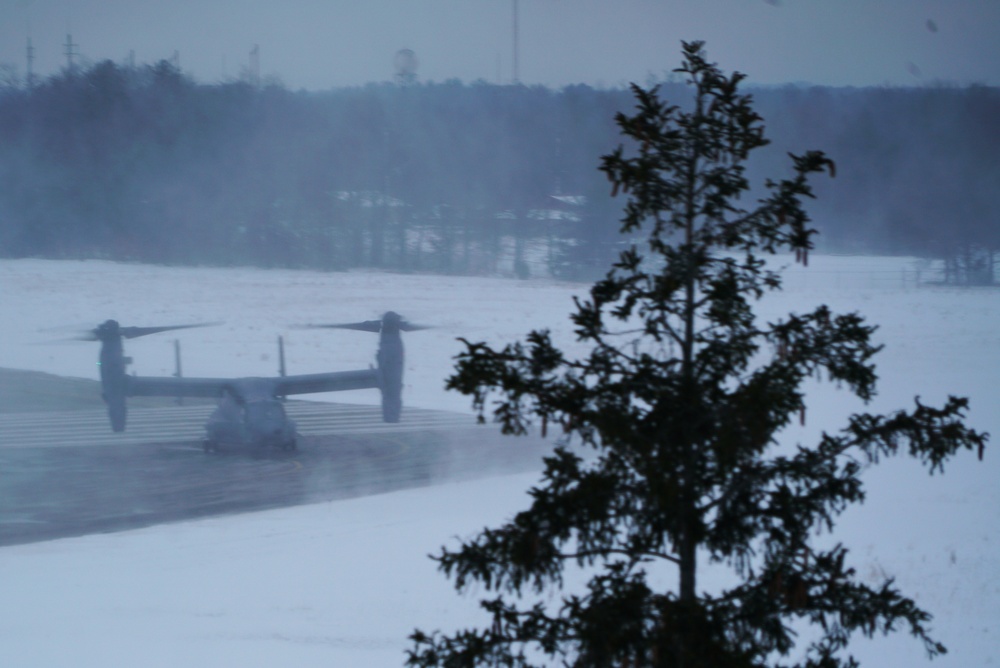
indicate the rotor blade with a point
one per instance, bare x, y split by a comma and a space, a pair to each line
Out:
85, 335
367, 326
96, 333
135, 332
65, 339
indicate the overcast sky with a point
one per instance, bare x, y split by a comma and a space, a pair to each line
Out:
322, 44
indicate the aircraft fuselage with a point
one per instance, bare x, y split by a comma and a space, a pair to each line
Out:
260, 423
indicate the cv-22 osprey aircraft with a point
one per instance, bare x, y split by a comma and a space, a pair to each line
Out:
250, 411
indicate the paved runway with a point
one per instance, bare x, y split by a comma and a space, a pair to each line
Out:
66, 474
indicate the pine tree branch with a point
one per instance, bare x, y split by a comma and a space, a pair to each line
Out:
631, 553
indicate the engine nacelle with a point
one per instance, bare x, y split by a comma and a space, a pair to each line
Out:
114, 380
390, 366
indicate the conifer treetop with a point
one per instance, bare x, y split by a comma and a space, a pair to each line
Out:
674, 427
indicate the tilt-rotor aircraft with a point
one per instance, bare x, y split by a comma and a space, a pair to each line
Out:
250, 411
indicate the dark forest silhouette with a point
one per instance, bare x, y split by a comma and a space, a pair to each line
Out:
145, 164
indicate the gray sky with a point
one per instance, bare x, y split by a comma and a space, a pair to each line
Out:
321, 44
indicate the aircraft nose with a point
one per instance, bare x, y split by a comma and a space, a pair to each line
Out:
267, 429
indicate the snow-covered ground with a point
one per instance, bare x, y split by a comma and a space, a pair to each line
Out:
343, 583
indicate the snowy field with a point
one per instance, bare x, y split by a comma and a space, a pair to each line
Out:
343, 583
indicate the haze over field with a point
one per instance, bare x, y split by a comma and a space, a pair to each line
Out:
343, 583
318, 146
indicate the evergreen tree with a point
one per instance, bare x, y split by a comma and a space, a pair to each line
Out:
680, 407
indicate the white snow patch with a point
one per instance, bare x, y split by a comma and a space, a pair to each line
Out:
344, 583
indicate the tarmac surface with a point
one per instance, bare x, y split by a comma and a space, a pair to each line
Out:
66, 474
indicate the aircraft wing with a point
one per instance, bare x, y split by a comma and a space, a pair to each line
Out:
166, 386
326, 382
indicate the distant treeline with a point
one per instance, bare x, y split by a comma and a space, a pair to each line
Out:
143, 163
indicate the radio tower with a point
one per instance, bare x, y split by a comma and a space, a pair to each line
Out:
71, 52
31, 65
255, 66
516, 76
